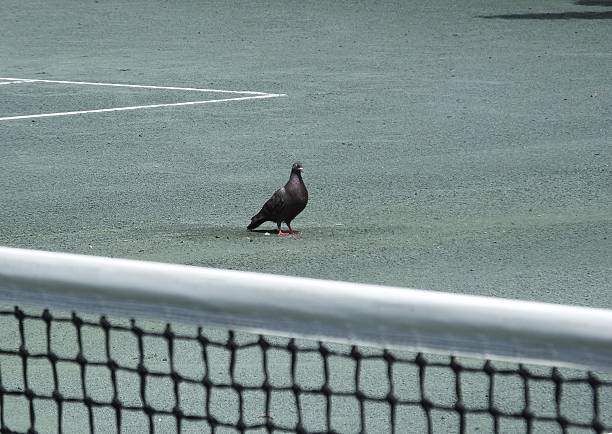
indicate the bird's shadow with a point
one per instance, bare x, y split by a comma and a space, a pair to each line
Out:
273, 231
263, 231
203, 232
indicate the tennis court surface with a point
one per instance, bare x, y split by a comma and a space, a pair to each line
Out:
457, 148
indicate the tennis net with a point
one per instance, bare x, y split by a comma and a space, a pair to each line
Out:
104, 345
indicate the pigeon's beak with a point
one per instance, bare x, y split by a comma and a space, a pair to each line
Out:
301, 169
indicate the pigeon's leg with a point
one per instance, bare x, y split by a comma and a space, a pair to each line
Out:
291, 231
280, 231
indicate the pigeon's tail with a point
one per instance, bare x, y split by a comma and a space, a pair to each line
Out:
256, 221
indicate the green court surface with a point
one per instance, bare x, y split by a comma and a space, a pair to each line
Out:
461, 147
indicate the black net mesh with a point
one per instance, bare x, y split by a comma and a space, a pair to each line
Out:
80, 373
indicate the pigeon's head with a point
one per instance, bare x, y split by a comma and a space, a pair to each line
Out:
297, 168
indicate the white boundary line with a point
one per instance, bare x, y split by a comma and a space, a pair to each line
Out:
252, 95
137, 107
135, 86
11, 82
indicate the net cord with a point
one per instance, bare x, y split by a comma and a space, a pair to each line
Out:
378, 316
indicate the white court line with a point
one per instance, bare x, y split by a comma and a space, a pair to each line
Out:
254, 95
136, 86
11, 82
138, 107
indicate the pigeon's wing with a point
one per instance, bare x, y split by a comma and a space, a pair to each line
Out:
272, 210
275, 206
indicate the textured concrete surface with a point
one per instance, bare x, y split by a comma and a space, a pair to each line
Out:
460, 147
452, 148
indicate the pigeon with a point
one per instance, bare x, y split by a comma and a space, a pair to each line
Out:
285, 204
